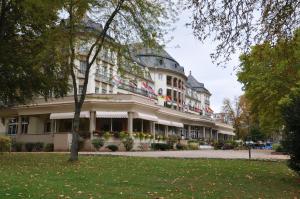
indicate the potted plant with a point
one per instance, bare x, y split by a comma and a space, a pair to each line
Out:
98, 143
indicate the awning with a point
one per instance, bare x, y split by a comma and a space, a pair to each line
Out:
110, 114
70, 115
226, 132
145, 116
170, 123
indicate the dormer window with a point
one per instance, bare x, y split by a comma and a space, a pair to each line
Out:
176, 65
161, 61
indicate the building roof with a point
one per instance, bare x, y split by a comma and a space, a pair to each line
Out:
195, 85
156, 58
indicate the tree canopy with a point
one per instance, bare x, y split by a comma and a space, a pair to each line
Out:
269, 74
30, 56
238, 24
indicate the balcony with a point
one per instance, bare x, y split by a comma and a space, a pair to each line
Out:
103, 78
136, 90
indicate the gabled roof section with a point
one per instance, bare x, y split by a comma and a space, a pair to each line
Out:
195, 85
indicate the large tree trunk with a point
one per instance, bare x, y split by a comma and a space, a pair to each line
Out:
75, 134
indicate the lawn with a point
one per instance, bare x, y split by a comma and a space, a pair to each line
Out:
51, 176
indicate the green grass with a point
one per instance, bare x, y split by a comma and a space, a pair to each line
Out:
51, 176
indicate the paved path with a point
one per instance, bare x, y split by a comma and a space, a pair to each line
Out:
223, 154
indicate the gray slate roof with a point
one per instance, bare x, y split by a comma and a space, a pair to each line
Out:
156, 58
195, 85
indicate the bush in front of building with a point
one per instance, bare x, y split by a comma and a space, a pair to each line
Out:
160, 146
218, 145
5, 143
180, 146
172, 140
123, 135
49, 147
107, 135
38, 146
193, 146
17, 146
98, 143
29, 146
112, 147
128, 143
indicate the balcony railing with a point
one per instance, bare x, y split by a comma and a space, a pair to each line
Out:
136, 90
104, 78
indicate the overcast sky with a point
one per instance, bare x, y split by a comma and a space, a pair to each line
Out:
195, 56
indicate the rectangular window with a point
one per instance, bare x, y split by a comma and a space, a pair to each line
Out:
24, 124
96, 90
82, 66
12, 126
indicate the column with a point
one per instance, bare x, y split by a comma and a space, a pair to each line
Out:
152, 124
92, 123
189, 131
130, 123
166, 131
142, 125
19, 131
217, 136
204, 133
111, 125
52, 126
211, 134
172, 91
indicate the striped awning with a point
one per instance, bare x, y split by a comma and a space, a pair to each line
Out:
111, 114
226, 132
145, 116
170, 123
69, 115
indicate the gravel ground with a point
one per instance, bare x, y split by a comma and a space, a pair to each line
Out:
223, 154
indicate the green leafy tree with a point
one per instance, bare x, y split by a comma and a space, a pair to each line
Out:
238, 24
120, 23
268, 74
30, 51
291, 117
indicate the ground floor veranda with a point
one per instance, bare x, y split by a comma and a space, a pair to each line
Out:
50, 124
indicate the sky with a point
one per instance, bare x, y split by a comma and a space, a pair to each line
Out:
194, 56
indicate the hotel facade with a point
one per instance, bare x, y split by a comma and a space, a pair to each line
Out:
150, 94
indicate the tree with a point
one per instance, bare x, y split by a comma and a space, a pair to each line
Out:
269, 73
239, 113
120, 22
291, 116
30, 57
238, 24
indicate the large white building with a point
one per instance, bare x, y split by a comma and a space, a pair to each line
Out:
150, 94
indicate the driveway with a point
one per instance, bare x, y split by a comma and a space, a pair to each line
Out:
223, 154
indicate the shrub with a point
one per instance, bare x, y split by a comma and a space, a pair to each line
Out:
160, 146
113, 147
193, 146
29, 146
180, 146
49, 147
128, 143
38, 146
98, 143
171, 140
17, 146
123, 135
107, 135
218, 145
5, 143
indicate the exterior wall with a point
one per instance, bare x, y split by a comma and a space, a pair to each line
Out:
2, 126
44, 138
36, 125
